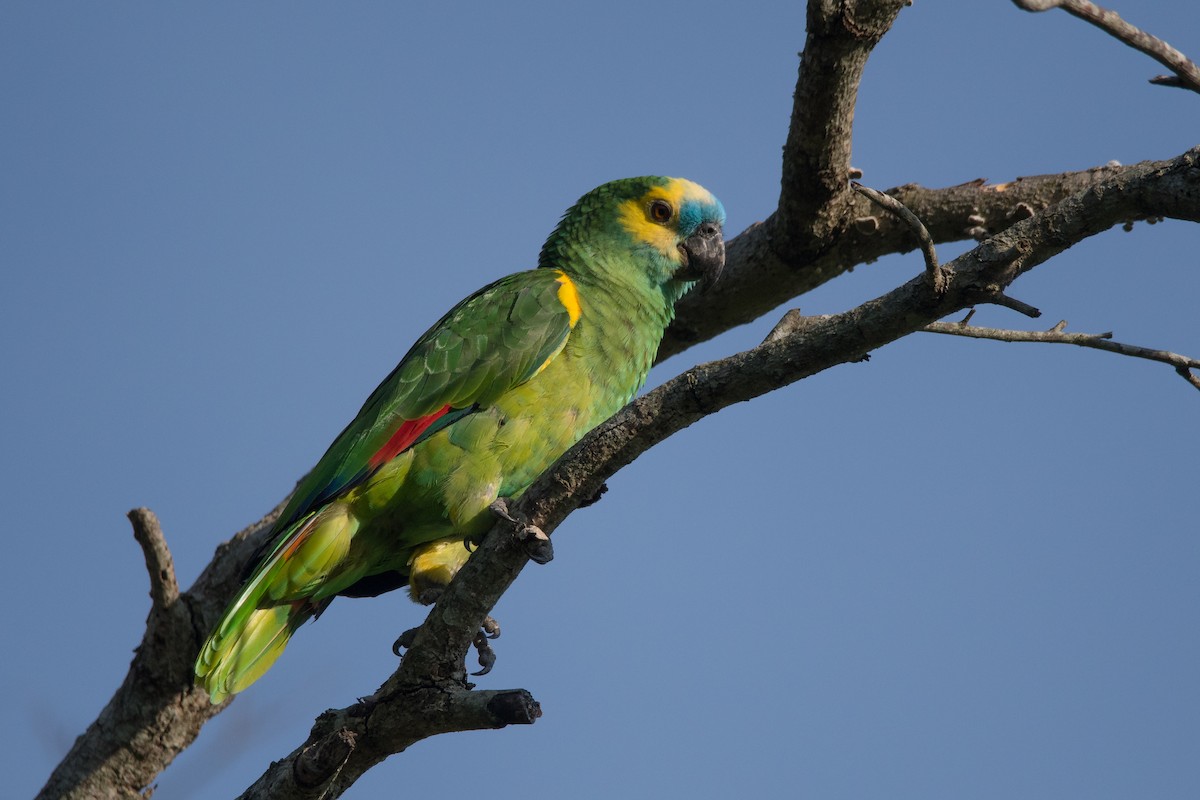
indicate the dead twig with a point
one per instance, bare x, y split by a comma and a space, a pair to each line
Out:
164, 590
1001, 299
1187, 74
936, 274
1058, 335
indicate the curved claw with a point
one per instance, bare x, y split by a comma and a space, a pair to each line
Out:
487, 656
539, 547
490, 628
404, 641
487, 660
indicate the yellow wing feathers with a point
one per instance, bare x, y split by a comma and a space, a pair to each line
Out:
568, 295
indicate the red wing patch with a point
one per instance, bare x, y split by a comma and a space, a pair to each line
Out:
405, 435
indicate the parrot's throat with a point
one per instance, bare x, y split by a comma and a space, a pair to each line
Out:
623, 326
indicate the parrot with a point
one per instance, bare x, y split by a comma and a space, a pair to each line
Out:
483, 403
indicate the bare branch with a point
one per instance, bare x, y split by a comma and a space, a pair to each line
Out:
1001, 299
757, 278
816, 156
164, 590
1189, 376
914, 223
788, 252
1058, 335
344, 744
157, 711
819, 230
1187, 74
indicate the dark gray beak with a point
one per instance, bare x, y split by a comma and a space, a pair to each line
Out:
703, 255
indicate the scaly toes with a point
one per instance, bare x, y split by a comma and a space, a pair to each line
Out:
537, 543
490, 629
487, 656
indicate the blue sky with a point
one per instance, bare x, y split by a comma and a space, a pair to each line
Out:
961, 569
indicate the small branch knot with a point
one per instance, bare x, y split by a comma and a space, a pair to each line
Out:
867, 225
1021, 211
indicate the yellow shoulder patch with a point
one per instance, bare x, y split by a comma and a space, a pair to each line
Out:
635, 214
568, 295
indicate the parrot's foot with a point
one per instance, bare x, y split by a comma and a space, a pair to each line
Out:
537, 543
430, 596
487, 656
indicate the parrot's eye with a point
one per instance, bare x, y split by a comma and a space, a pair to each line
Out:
660, 211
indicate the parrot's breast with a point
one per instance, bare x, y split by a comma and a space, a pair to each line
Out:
443, 486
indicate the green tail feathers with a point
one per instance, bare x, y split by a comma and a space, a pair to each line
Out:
237, 655
276, 601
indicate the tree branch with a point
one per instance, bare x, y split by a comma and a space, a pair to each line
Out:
164, 590
914, 224
812, 237
1187, 74
816, 155
1057, 335
815, 203
344, 744
757, 279
157, 711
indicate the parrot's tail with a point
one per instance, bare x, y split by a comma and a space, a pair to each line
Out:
232, 660
284, 591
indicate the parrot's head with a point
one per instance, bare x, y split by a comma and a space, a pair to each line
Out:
670, 229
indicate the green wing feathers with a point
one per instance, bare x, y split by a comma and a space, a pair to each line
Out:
494, 340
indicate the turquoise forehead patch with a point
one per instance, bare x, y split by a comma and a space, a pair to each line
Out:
695, 212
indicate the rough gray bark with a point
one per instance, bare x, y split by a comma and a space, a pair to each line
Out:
820, 230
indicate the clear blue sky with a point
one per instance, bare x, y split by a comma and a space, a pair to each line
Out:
963, 569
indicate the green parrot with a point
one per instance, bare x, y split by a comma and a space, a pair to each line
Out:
484, 402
